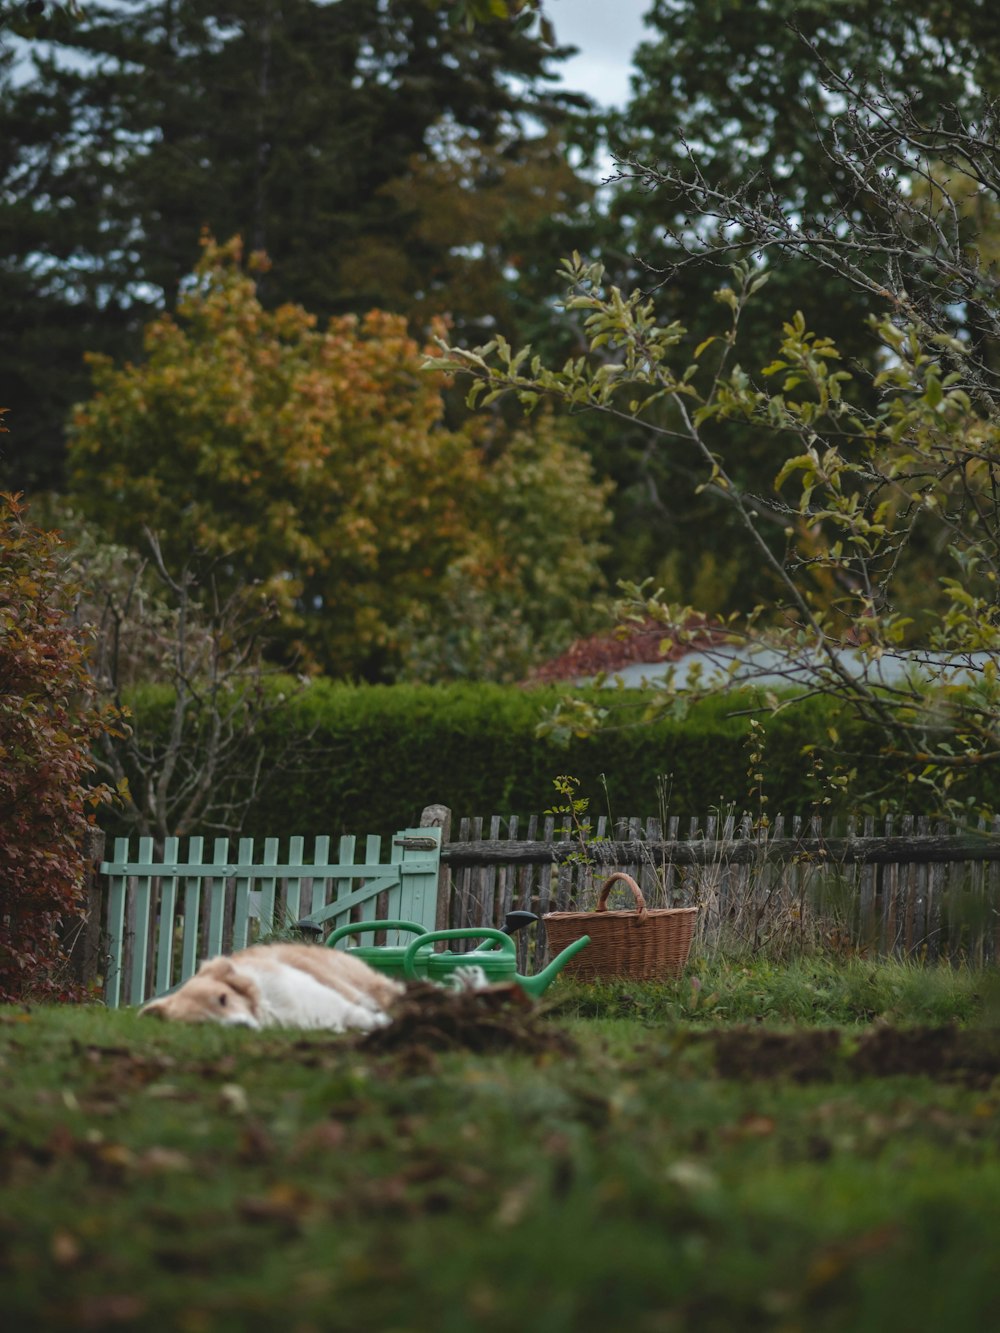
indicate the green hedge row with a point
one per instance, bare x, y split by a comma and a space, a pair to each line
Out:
368, 759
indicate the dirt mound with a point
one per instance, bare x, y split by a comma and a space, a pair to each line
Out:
945, 1053
499, 1018
742, 1053
972, 1056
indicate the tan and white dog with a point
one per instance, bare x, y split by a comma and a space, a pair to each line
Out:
283, 985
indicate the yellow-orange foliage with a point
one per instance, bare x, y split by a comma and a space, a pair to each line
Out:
315, 459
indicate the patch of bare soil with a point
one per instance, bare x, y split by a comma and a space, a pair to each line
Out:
971, 1055
499, 1018
742, 1053
945, 1053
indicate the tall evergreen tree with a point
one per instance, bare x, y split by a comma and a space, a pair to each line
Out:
299, 125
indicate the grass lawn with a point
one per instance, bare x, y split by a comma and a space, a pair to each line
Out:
771, 1148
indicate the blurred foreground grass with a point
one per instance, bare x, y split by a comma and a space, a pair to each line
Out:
161, 1177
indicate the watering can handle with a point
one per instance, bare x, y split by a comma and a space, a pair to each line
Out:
486, 933
361, 927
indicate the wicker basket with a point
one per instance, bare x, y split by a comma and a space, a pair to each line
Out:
647, 944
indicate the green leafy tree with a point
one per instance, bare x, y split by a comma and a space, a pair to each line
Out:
743, 108
50, 719
316, 463
873, 486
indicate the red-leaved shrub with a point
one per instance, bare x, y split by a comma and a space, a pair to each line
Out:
49, 718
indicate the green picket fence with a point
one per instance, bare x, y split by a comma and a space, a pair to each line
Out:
167, 913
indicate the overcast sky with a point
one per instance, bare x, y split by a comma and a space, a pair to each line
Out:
607, 32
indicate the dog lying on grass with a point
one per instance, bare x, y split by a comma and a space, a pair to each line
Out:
283, 985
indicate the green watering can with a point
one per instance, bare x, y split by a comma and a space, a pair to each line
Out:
498, 964
387, 958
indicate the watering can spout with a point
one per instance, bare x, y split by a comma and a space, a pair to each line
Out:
542, 980
497, 963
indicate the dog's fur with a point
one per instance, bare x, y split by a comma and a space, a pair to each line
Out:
283, 985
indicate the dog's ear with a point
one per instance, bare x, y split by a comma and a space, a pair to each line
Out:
242, 983
226, 971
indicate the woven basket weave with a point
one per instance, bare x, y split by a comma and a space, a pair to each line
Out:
647, 944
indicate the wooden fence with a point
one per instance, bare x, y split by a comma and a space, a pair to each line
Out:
909, 887
906, 886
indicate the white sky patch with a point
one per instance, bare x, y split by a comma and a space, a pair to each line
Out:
607, 33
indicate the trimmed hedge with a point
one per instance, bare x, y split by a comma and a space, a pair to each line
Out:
369, 758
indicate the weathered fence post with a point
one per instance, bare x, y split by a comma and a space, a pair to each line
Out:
439, 816
85, 936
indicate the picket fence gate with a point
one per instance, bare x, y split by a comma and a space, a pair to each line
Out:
167, 913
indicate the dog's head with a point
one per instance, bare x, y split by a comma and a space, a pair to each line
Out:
218, 993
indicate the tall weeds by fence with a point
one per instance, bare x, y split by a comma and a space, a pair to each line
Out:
907, 887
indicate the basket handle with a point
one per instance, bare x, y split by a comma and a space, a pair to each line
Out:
640, 901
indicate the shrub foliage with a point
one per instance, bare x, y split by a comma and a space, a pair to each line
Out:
48, 722
368, 758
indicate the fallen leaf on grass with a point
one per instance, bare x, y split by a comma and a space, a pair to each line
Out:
114, 1159
66, 1249
100, 1311
255, 1144
156, 1160
514, 1203
833, 1260
170, 1092
690, 1175
326, 1137
233, 1098
750, 1126
286, 1205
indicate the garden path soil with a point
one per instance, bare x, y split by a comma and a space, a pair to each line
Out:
429, 1019
947, 1053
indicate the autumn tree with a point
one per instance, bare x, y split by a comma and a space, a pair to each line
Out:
315, 462
519, 591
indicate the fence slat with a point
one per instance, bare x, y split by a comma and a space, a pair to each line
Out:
373, 852
168, 920
192, 911
241, 908
321, 857
116, 928
139, 917
506, 877
217, 898
293, 883
268, 888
